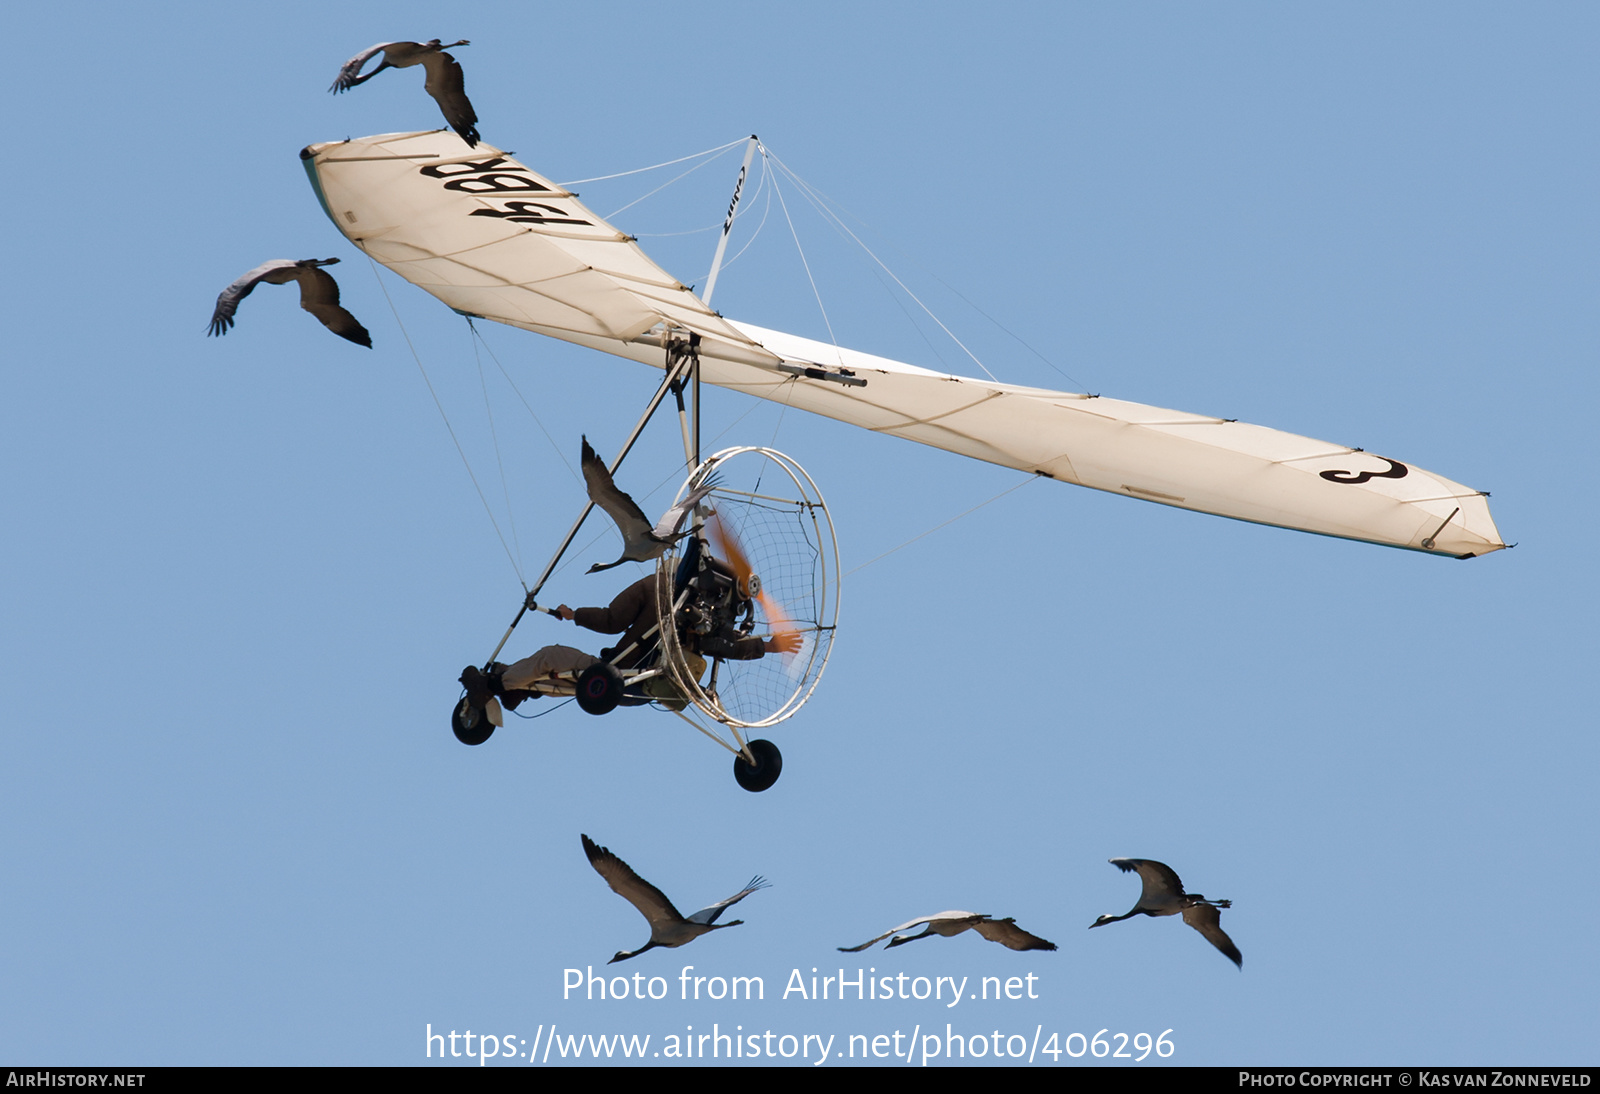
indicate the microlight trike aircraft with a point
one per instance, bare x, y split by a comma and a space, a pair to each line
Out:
737, 621
496, 240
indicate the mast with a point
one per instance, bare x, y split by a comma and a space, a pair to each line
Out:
691, 433
727, 225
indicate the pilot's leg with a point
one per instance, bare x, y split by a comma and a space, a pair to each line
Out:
548, 662
513, 683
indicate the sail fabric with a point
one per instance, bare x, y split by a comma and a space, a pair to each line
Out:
494, 239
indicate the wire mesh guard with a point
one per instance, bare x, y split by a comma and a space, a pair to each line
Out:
766, 527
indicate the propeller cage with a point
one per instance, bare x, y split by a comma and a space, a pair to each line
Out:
767, 637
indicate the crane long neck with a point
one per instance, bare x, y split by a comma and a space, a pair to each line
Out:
1103, 920
623, 955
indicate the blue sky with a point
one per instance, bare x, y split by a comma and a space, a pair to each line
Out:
243, 574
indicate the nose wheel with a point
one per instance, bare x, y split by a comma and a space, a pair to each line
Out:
471, 724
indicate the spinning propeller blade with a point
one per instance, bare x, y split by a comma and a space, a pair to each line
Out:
785, 634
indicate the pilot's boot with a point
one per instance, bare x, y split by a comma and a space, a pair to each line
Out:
480, 687
508, 697
483, 686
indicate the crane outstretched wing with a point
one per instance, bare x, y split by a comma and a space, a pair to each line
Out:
1008, 934
228, 299
447, 85
907, 926
319, 295
621, 508
709, 913
350, 72
1159, 879
1206, 919
667, 526
651, 902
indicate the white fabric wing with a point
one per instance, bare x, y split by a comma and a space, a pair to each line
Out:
491, 238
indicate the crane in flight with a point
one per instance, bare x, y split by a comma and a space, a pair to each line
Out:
319, 295
640, 542
667, 926
444, 82
1163, 895
949, 924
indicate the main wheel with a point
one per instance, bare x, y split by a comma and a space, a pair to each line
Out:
600, 688
471, 724
768, 766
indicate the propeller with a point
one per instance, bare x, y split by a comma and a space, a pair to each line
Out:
785, 635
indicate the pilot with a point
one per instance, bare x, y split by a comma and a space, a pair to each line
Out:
633, 613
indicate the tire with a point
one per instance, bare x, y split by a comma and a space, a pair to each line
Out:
768, 766
471, 724
600, 688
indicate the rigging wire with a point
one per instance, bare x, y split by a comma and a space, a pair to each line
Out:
666, 184
674, 235
785, 206
744, 207
448, 427
783, 409
963, 297
936, 527
529, 406
790, 385
494, 436
805, 190
911, 320
653, 167
1021, 341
